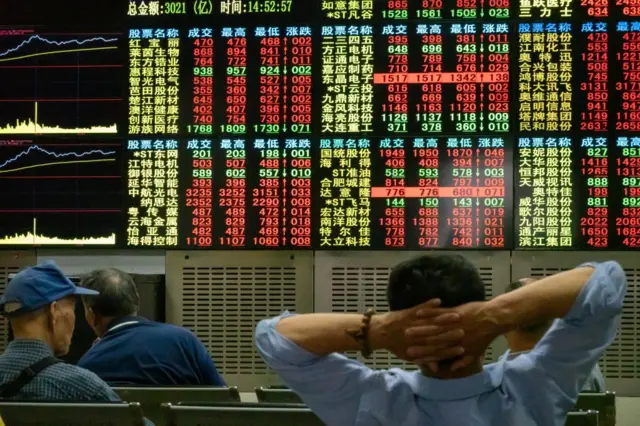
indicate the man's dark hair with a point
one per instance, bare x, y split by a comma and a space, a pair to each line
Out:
118, 293
536, 328
451, 278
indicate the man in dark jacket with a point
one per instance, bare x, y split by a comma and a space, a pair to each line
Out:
132, 350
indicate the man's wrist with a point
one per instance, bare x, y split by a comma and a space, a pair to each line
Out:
377, 336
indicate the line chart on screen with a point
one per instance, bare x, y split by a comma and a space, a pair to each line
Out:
61, 83
59, 191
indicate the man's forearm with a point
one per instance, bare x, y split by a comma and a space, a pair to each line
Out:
322, 334
551, 297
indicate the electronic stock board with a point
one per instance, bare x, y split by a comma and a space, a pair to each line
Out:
325, 124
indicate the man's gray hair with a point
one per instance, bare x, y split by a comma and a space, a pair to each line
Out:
118, 293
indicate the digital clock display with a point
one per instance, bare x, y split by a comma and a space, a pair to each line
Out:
268, 6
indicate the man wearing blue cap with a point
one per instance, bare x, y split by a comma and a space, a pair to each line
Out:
40, 304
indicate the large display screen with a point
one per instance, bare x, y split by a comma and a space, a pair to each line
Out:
321, 124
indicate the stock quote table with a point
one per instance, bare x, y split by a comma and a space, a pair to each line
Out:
324, 124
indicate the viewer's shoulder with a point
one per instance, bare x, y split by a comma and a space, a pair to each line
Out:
392, 394
172, 331
79, 379
73, 372
520, 373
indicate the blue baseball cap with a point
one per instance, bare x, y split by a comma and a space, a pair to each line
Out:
37, 286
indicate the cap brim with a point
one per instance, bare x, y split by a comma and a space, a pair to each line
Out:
81, 291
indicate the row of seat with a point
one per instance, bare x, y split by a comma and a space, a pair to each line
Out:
183, 414
130, 414
152, 398
221, 407
583, 418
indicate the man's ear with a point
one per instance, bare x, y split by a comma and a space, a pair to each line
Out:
92, 317
51, 311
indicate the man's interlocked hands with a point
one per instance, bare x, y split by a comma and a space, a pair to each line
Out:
428, 334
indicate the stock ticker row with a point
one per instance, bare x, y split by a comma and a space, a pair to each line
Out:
329, 124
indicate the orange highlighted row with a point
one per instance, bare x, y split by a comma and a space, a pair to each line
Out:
441, 77
443, 192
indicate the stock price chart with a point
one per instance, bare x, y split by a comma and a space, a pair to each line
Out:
325, 124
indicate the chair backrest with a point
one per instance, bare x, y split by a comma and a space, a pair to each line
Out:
242, 405
236, 416
68, 414
582, 418
603, 403
277, 396
152, 398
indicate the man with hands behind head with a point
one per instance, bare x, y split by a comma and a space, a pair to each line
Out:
447, 342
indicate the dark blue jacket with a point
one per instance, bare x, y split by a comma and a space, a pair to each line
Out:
138, 352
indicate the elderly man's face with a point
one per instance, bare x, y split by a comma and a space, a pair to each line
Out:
62, 323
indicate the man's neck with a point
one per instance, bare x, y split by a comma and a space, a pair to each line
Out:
109, 323
105, 324
38, 335
444, 373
